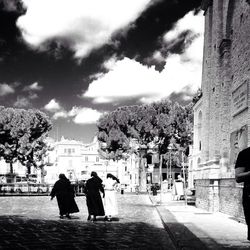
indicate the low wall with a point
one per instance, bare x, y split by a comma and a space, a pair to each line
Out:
220, 195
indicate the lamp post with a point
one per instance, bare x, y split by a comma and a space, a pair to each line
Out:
160, 175
184, 176
170, 147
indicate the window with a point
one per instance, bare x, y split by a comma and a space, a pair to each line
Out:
86, 158
97, 159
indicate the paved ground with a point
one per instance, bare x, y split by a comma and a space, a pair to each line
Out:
143, 223
193, 228
33, 223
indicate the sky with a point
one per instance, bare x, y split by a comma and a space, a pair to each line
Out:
77, 59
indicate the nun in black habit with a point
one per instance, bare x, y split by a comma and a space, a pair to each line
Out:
65, 194
94, 201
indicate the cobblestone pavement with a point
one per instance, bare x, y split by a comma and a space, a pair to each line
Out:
33, 223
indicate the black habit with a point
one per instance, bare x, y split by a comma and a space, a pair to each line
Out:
64, 193
243, 161
94, 201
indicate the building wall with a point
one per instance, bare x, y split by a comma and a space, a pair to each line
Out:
231, 191
224, 104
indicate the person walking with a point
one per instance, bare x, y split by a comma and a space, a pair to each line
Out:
111, 208
242, 174
178, 188
93, 188
64, 193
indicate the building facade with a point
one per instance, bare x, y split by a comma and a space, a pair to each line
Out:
76, 160
222, 115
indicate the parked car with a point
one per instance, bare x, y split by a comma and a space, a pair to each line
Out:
42, 188
7, 188
24, 187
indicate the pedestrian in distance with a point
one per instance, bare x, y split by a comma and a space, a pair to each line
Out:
93, 188
110, 201
64, 193
178, 188
242, 174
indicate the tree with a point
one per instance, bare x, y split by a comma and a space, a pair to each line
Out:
21, 135
155, 123
112, 133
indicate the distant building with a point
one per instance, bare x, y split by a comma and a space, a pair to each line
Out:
221, 116
77, 160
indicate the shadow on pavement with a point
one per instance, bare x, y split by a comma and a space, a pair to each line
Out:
183, 238
20, 232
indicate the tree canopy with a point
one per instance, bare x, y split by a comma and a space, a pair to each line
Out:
156, 123
22, 134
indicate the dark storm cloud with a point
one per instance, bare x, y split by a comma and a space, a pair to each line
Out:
9, 33
11, 5
145, 35
20, 63
55, 67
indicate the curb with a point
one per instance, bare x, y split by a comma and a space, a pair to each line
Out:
181, 236
171, 235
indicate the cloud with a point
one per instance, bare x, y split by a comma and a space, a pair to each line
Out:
188, 22
33, 96
60, 114
53, 106
79, 115
83, 25
22, 102
85, 115
6, 89
33, 87
11, 5
128, 78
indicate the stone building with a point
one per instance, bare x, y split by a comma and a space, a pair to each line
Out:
77, 160
222, 115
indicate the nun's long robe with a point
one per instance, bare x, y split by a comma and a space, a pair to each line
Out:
94, 201
65, 197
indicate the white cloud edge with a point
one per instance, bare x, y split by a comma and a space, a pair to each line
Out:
128, 78
84, 25
78, 115
6, 89
33, 87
